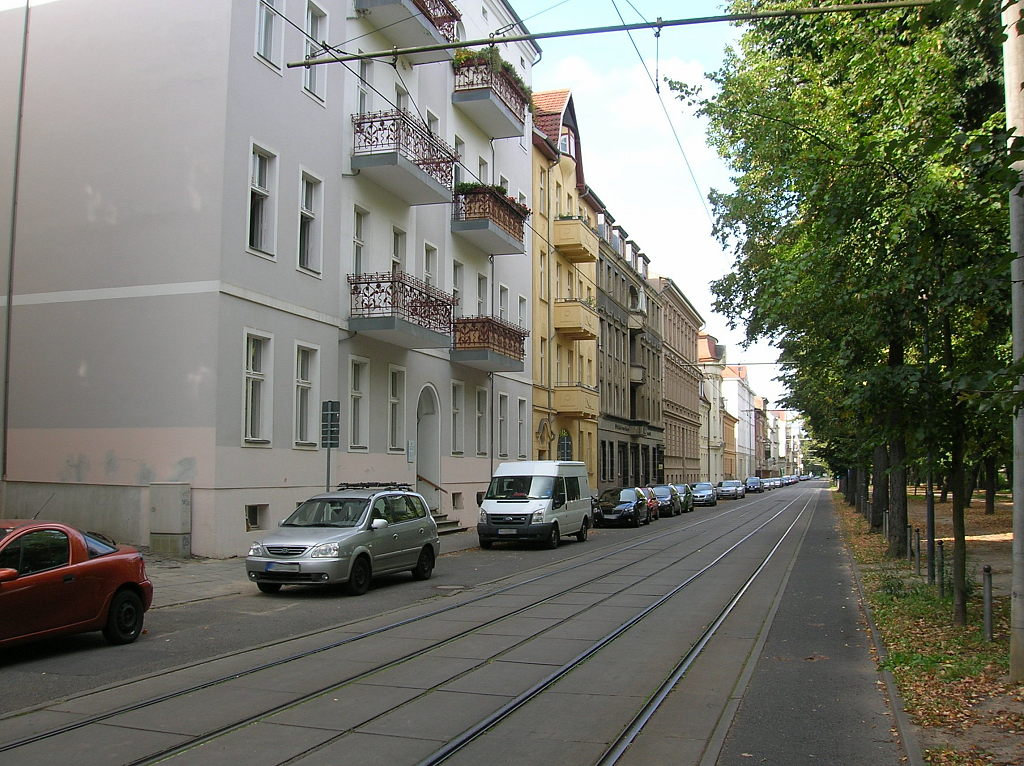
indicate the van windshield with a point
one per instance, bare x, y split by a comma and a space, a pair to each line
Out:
520, 488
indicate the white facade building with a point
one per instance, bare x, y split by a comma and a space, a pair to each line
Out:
206, 244
740, 399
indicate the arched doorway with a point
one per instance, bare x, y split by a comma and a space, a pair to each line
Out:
428, 447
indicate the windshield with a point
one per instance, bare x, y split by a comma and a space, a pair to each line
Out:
663, 491
520, 488
618, 496
702, 485
344, 512
731, 483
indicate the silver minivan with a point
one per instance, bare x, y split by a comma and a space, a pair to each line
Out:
348, 536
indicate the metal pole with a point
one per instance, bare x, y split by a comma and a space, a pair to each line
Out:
328, 467
941, 565
910, 548
1013, 69
917, 551
987, 589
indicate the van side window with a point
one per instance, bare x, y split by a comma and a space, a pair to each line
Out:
572, 488
559, 489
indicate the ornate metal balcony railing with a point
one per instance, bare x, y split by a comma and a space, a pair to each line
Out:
490, 333
470, 75
402, 132
443, 14
401, 295
490, 204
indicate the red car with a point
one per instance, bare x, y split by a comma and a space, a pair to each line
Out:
55, 580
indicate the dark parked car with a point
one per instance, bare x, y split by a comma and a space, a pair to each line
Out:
669, 502
55, 580
622, 505
754, 484
685, 496
705, 493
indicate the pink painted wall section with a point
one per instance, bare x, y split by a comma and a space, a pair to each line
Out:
119, 456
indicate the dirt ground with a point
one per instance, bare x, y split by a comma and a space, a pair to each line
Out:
996, 734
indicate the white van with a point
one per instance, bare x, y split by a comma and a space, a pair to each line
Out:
536, 500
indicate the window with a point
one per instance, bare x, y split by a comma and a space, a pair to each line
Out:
457, 287
397, 251
36, 551
522, 311
313, 77
542, 197
429, 264
558, 198
460, 152
564, 445
359, 224
481, 295
543, 352
503, 183
458, 421
483, 171
542, 268
481, 421
255, 517
266, 31
503, 302
401, 98
257, 388
358, 404
309, 224
363, 86
261, 202
305, 396
396, 408
503, 425
433, 123
522, 435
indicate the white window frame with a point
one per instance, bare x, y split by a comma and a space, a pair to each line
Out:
268, 33
358, 404
364, 81
307, 394
398, 248
503, 433
310, 246
458, 271
261, 234
430, 260
314, 78
482, 294
396, 408
360, 227
482, 429
458, 406
503, 302
522, 431
257, 388
523, 310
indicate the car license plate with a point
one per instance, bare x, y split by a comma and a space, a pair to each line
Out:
275, 567
507, 531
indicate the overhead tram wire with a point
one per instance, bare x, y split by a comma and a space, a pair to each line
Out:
655, 25
664, 109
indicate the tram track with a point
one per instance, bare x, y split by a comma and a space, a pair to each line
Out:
742, 517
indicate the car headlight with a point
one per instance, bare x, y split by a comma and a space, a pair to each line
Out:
256, 549
483, 517
538, 518
325, 551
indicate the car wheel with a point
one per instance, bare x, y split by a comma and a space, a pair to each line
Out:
425, 565
268, 587
636, 520
581, 536
359, 578
124, 620
554, 538
486, 544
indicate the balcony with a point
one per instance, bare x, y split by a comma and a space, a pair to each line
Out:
489, 343
574, 239
575, 319
399, 153
576, 400
488, 219
399, 309
412, 23
637, 374
488, 91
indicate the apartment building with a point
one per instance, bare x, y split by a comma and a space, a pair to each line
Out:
681, 383
631, 428
740, 402
208, 244
711, 358
565, 323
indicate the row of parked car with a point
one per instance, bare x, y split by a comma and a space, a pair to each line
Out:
633, 506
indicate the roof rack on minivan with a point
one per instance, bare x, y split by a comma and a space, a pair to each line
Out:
374, 485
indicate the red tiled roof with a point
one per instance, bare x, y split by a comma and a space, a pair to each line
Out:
548, 108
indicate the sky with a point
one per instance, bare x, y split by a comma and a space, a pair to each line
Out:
630, 157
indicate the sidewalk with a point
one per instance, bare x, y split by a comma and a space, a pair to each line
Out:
180, 581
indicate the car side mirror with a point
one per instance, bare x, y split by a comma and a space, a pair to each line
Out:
378, 523
7, 575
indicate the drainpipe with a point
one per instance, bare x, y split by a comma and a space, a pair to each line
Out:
551, 302
8, 317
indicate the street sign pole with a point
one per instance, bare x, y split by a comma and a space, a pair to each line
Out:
330, 431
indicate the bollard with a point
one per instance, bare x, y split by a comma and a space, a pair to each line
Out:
987, 587
940, 567
917, 552
910, 549
885, 523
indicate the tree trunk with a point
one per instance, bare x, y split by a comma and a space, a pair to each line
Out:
880, 483
898, 498
957, 481
990, 485
971, 478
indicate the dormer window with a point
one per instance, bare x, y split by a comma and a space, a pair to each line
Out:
567, 142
